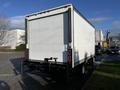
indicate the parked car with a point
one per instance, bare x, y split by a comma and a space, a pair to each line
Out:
114, 50
98, 50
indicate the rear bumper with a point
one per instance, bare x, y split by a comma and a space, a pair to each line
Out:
44, 61
43, 64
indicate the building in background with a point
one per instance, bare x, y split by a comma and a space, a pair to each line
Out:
115, 40
12, 38
99, 37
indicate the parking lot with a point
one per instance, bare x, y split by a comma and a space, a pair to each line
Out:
9, 76
12, 76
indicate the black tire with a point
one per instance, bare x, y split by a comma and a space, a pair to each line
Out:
84, 68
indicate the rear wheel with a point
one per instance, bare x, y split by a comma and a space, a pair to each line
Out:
92, 63
84, 68
88, 67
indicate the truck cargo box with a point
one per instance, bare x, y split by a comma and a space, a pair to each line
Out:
60, 35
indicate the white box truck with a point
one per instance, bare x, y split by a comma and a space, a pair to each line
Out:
61, 37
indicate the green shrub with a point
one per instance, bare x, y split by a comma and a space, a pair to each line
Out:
20, 47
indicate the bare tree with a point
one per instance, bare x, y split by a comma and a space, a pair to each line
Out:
4, 23
2, 37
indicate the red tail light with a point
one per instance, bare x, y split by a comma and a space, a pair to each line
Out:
26, 54
69, 56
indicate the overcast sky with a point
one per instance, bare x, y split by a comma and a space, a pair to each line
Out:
103, 14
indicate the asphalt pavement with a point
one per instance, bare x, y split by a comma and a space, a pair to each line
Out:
9, 80
12, 76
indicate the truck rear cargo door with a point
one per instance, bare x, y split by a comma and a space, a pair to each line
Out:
48, 37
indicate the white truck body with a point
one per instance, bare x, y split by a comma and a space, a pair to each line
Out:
50, 33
